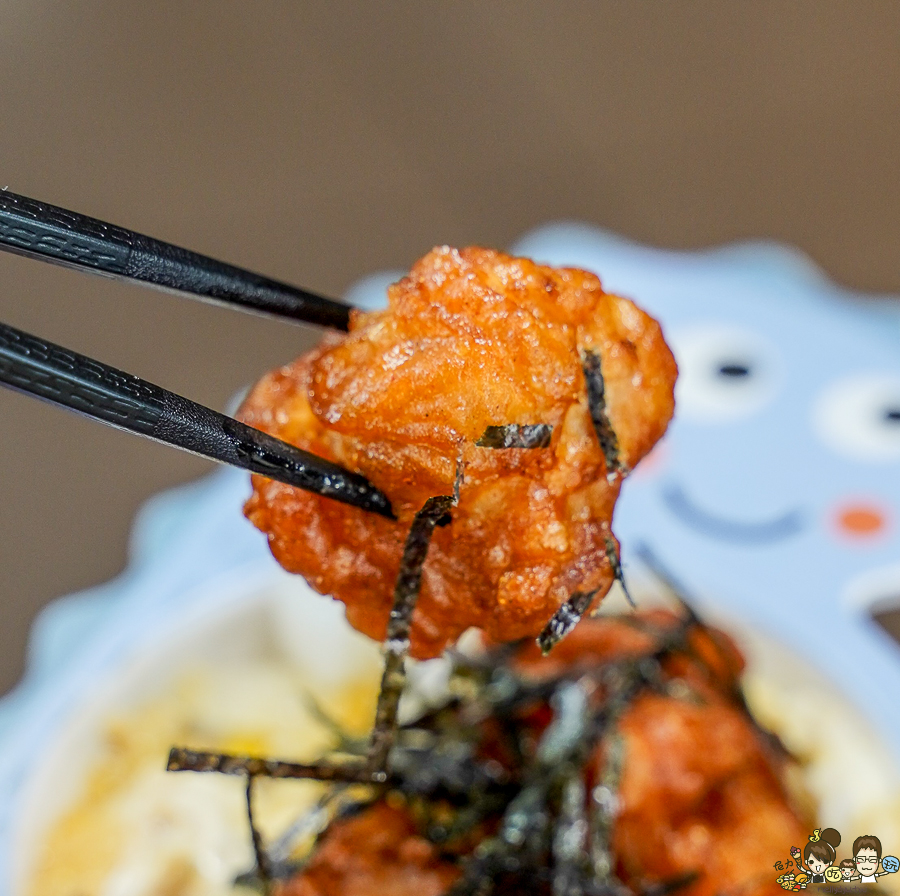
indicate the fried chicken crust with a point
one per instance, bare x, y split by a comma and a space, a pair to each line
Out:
471, 338
378, 851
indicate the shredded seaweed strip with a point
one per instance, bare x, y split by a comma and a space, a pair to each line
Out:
604, 799
277, 865
615, 562
518, 812
520, 844
596, 392
514, 435
396, 642
182, 760
567, 616
262, 861
569, 835
665, 577
546, 842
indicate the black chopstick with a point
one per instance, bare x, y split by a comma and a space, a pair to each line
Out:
49, 233
40, 368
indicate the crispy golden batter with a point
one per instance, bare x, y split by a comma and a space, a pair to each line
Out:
471, 339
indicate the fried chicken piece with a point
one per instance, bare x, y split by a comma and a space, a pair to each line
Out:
471, 339
700, 790
700, 793
378, 851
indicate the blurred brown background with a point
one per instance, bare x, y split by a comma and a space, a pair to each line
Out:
320, 141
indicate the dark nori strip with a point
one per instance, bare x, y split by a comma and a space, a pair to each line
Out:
447, 767
567, 616
515, 435
561, 739
262, 860
182, 760
396, 642
666, 579
596, 392
569, 834
563, 758
522, 843
604, 803
517, 846
615, 562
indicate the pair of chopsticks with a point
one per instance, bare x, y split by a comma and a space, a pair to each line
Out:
32, 365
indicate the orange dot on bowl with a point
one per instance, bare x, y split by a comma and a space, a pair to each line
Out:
861, 520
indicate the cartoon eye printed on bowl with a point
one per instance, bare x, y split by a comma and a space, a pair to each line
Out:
724, 372
858, 417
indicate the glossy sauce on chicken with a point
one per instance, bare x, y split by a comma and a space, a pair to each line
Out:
471, 339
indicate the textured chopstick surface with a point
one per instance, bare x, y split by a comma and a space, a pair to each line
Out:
49, 233
30, 364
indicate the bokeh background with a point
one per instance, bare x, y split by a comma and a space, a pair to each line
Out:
320, 141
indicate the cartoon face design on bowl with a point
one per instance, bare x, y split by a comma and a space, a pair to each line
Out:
775, 495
